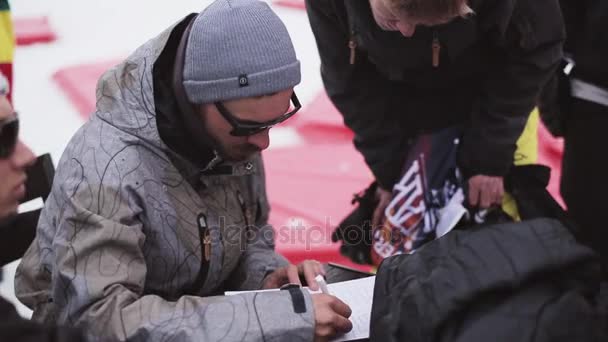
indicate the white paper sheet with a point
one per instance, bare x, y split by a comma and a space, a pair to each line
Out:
451, 214
357, 294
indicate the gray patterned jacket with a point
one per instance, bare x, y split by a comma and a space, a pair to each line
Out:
129, 249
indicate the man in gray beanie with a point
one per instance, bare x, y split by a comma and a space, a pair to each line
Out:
159, 201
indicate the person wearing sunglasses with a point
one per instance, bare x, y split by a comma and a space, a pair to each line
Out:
159, 203
15, 158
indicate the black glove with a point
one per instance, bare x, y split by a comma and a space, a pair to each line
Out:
355, 230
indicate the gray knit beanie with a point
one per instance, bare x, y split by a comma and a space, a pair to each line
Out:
237, 49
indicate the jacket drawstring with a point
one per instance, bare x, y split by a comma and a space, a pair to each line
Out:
243, 205
352, 45
436, 49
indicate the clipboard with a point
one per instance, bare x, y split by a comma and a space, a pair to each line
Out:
337, 273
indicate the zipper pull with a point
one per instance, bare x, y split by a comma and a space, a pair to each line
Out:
205, 236
352, 45
436, 47
207, 245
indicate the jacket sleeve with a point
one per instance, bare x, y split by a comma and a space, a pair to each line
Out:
99, 275
362, 97
13, 327
260, 257
530, 43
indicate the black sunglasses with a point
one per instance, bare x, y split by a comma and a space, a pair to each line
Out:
243, 128
9, 132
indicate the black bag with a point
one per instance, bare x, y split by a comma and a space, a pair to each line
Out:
523, 281
527, 281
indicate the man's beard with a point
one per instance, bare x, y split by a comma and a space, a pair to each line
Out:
239, 153
236, 153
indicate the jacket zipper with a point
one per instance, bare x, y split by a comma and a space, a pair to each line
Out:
352, 45
207, 245
205, 239
436, 49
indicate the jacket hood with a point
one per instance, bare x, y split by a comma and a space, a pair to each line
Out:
139, 97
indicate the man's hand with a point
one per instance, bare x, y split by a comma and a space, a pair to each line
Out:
290, 274
384, 199
485, 191
331, 317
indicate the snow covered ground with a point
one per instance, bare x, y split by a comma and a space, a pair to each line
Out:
99, 30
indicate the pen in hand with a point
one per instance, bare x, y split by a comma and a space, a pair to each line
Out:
322, 284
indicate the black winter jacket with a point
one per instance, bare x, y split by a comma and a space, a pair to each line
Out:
490, 71
523, 282
586, 24
587, 43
